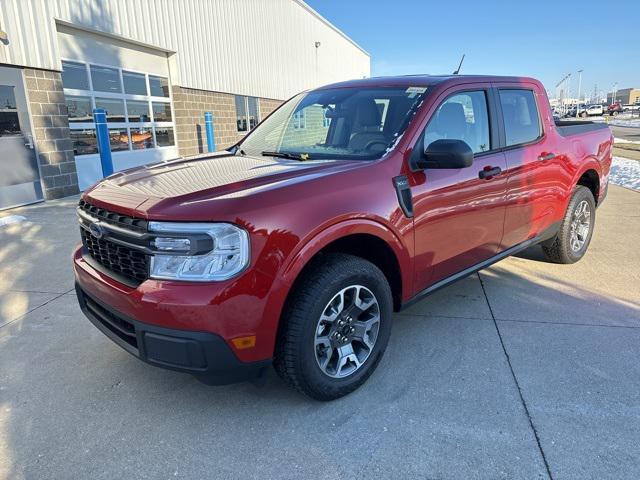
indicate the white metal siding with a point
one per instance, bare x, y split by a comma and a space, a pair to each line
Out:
264, 48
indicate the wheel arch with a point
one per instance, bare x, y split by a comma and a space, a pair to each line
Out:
366, 239
590, 177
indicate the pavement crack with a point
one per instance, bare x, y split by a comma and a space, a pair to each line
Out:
515, 379
572, 324
35, 308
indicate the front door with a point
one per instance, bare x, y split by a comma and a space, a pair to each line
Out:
19, 175
459, 213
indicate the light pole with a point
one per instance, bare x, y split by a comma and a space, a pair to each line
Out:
560, 85
614, 93
579, 87
568, 88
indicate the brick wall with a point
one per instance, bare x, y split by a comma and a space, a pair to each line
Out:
189, 107
266, 106
312, 132
50, 128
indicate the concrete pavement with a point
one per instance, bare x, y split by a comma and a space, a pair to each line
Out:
626, 133
527, 370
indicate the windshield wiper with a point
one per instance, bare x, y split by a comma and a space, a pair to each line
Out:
289, 155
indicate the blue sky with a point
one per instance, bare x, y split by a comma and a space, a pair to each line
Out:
541, 39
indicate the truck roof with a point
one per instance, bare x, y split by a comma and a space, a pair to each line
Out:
425, 80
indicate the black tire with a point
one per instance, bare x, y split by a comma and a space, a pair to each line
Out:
558, 249
584, 114
295, 356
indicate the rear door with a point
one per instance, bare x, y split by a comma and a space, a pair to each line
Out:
534, 167
459, 213
19, 174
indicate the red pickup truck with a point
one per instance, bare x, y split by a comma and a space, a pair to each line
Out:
349, 202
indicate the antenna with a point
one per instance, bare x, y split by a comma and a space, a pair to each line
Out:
459, 66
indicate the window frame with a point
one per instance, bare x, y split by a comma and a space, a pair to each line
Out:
247, 115
127, 124
500, 116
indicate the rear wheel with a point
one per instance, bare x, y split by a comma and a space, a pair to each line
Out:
336, 327
572, 240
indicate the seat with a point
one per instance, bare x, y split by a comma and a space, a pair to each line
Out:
366, 124
452, 123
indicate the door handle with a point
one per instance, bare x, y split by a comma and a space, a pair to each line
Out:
548, 156
488, 173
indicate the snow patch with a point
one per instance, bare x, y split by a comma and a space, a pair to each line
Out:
625, 172
625, 123
622, 140
9, 219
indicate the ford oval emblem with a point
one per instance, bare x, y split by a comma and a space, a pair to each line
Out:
96, 230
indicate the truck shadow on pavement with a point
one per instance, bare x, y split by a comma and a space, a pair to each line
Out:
72, 402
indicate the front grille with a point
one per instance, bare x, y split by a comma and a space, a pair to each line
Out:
119, 326
128, 262
124, 221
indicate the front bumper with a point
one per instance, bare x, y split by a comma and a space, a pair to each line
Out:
203, 354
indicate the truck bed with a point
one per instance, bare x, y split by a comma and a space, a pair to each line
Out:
567, 128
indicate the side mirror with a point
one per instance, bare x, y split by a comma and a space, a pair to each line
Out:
445, 154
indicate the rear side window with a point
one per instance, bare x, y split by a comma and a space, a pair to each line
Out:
521, 118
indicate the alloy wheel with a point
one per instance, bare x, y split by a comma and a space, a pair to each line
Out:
347, 331
580, 226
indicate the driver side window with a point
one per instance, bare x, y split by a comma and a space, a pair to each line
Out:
462, 116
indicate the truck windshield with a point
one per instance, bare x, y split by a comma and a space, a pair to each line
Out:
336, 123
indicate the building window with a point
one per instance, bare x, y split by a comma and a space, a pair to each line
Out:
134, 83
159, 86
79, 109
105, 79
161, 111
164, 137
9, 120
138, 111
300, 120
326, 121
141, 138
114, 108
74, 75
253, 112
247, 113
138, 107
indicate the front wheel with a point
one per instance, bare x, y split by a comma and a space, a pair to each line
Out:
336, 327
572, 240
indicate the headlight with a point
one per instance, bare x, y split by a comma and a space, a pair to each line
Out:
198, 252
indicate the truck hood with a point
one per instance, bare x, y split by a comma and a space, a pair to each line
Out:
144, 190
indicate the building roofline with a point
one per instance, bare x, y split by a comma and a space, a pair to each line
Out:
331, 25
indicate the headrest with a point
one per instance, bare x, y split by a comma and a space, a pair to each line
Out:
451, 120
367, 113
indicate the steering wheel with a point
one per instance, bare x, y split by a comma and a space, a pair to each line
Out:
373, 142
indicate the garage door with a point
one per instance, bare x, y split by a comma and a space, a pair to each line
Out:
131, 82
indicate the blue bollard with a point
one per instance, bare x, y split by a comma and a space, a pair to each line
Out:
208, 125
104, 146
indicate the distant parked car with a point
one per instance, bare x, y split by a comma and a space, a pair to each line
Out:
615, 109
571, 111
592, 110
